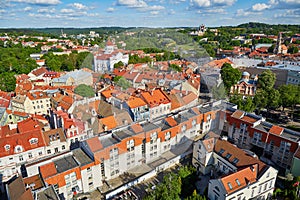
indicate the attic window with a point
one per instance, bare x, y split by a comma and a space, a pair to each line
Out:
228, 155
229, 185
18, 149
235, 160
222, 151
238, 182
7, 147
33, 141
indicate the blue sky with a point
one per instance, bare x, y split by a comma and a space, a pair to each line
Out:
147, 13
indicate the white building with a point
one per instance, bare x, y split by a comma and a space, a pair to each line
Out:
104, 60
243, 175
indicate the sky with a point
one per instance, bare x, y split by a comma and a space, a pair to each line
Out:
145, 13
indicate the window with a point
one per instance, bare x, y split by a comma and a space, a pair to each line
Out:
56, 150
7, 147
167, 136
153, 137
130, 145
18, 149
235, 160
228, 155
21, 158
221, 151
30, 155
271, 184
238, 182
194, 122
183, 128
33, 141
63, 147
48, 151
229, 185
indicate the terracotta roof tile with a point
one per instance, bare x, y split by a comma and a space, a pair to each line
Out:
48, 170
171, 121
94, 144
238, 114
135, 102
277, 130
137, 128
239, 179
109, 122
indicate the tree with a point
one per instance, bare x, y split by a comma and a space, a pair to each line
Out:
266, 80
229, 75
84, 90
260, 99
175, 67
293, 49
218, 92
7, 81
271, 48
246, 104
122, 82
118, 64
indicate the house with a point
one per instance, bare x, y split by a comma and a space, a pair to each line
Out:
55, 141
19, 143
245, 86
235, 173
158, 102
33, 103
37, 73
137, 109
71, 174
276, 144
104, 60
76, 77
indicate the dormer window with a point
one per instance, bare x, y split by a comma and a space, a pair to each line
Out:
7, 147
33, 141
18, 149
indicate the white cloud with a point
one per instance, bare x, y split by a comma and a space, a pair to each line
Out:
171, 12
65, 10
260, 7
132, 3
79, 6
154, 12
140, 5
209, 3
46, 10
293, 13
39, 2
28, 8
244, 13
110, 9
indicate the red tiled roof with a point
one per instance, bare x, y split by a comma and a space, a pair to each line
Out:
155, 98
239, 179
137, 128
48, 170
109, 122
238, 114
39, 71
171, 121
277, 130
135, 102
94, 144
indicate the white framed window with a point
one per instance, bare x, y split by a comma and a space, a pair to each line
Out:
153, 137
167, 136
18, 149
7, 147
33, 141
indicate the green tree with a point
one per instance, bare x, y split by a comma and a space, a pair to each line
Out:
260, 99
7, 81
84, 90
266, 80
122, 82
118, 64
293, 49
175, 67
218, 92
271, 48
229, 75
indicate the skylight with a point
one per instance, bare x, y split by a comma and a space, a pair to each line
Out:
228, 155
229, 185
238, 182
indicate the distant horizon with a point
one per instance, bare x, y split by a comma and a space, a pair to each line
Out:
145, 13
129, 27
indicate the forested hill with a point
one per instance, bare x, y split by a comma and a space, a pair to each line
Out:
57, 31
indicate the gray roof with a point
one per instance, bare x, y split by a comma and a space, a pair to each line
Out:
48, 193
76, 75
81, 157
65, 164
149, 126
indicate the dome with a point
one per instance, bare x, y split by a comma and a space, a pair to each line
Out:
245, 74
